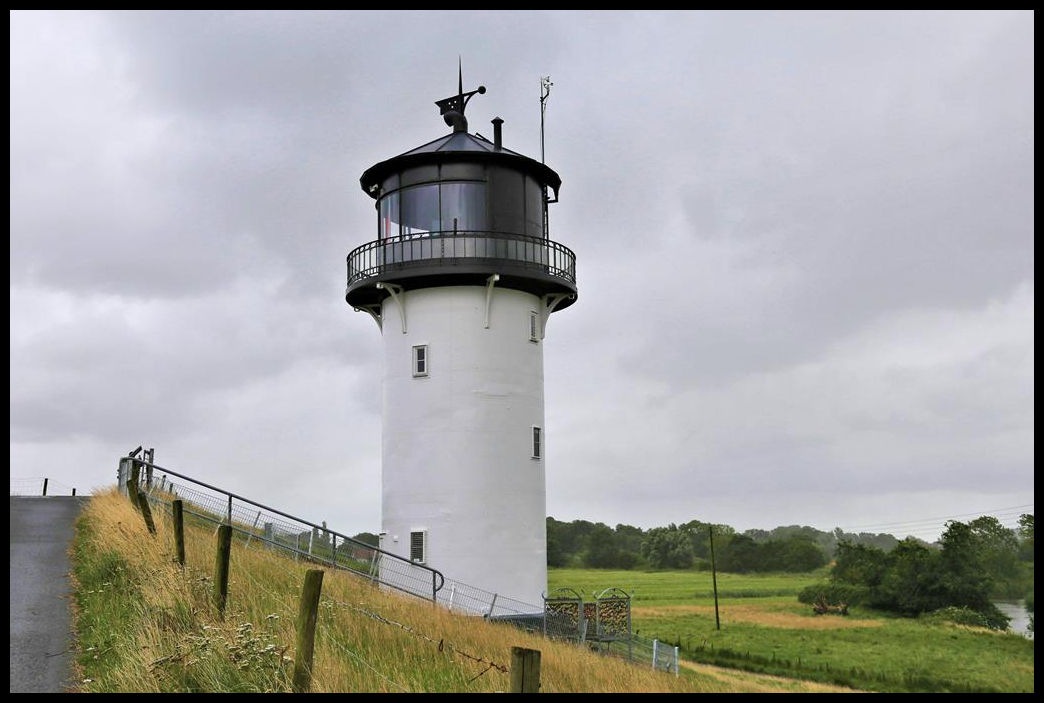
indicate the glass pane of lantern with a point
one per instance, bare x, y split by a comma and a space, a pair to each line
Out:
420, 210
534, 209
389, 217
464, 207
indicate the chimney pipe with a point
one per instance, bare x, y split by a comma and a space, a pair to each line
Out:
498, 137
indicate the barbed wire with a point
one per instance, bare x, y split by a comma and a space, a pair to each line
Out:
371, 667
441, 643
454, 594
295, 571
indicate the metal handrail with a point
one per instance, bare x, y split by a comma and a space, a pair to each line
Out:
373, 258
438, 580
294, 550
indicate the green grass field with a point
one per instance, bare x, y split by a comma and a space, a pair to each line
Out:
765, 629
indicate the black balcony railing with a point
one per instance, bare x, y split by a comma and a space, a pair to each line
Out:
518, 252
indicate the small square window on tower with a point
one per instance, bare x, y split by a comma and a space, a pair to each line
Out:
419, 546
420, 360
537, 442
534, 327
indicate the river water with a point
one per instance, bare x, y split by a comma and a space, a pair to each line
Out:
1016, 610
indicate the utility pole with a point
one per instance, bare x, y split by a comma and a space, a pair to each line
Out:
714, 576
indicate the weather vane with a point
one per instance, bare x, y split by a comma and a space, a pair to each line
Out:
452, 108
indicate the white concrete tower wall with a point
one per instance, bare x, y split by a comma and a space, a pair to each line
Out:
457, 443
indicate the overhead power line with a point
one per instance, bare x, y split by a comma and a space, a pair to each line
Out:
943, 518
927, 524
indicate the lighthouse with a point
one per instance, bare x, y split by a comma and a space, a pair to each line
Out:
461, 280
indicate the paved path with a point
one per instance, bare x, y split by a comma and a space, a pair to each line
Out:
41, 627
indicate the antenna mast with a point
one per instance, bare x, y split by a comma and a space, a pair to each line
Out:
545, 91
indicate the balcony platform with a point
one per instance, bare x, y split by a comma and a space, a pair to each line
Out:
532, 264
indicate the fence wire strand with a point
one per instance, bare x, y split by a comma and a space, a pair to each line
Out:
441, 643
370, 667
266, 530
32, 486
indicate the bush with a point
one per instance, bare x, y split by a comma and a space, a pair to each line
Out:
1029, 609
962, 615
833, 594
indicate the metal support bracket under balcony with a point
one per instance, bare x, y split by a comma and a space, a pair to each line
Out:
374, 312
398, 294
548, 305
489, 294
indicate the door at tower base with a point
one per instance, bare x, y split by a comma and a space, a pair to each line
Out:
463, 404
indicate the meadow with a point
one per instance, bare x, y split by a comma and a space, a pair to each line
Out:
764, 629
144, 624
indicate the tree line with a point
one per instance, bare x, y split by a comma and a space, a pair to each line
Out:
972, 564
794, 548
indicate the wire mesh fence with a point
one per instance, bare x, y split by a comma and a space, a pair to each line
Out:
662, 656
40, 487
26, 486
261, 527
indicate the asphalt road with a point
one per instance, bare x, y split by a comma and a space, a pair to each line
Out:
41, 623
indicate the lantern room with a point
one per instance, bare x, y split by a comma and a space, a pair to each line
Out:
455, 211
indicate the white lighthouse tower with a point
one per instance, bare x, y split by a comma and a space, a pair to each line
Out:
461, 280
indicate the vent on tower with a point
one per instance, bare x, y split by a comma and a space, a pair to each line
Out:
419, 546
498, 134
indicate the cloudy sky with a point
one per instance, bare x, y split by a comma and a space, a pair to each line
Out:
804, 252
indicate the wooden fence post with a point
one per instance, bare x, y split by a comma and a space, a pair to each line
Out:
224, 550
132, 483
525, 670
254, 528
178, 511
306, 618
138, 499
146, 512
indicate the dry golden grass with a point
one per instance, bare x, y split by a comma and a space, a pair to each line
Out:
180, 643
759, 615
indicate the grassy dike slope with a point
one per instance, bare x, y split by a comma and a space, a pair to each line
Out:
143, 625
